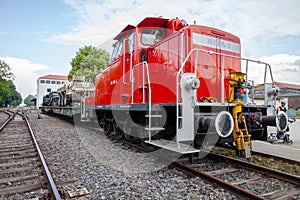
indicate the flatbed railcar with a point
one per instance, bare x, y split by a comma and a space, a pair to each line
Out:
68, 98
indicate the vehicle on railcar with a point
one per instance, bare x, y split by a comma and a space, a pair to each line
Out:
67, 99
179, 86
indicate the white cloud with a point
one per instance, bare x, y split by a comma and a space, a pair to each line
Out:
285, 68
25, 74
98, 22
253, 21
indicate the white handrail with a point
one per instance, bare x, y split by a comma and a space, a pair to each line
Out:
144, 65
177, 84
124, 62
267, 66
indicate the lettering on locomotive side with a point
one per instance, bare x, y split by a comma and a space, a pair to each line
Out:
216, 43
113, 82
125, 106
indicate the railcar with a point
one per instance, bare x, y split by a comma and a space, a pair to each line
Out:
67, 99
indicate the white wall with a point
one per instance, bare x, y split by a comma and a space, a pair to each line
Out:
42, 89
261, 102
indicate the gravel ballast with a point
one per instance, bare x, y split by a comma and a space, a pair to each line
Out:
82, 158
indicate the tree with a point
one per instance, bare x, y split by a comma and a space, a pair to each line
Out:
5, 75
8, 93
4, 90
5, 72
89, 62
14, 98
28, 101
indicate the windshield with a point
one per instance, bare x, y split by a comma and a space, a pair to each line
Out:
117, 50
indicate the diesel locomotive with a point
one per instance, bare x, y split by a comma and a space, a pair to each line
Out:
179, 86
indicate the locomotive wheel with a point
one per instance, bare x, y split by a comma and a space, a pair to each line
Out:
127, 134
106, 127
128, 130
143, 136
101, 124
199, 140
146, 146
119, 133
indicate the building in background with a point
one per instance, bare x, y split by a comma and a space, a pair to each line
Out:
291, 92
46, 84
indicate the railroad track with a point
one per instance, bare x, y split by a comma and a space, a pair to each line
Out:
23, 168
243, 179
247, 180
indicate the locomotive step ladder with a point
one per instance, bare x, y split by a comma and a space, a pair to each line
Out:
184, 136
171, 145
153, 125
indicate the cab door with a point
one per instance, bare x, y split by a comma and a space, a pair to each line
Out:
115, 71
129, 58
128, 62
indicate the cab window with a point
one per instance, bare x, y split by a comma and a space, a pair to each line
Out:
118, 46
151, 35
131, 43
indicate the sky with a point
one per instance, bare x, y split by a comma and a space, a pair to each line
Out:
40, 37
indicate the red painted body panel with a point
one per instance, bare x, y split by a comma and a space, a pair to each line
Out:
89, 101
210, 66
164, 59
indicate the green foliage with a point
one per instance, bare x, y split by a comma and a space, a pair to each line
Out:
298, 114
4, 90
5, 72
12, 97
89, 62
258, 85
8, 93
28, 101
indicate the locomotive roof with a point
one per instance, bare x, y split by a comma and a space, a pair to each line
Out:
153, 22
147, 22
127, 28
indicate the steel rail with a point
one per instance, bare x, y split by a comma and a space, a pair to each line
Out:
136, 146
238, 191
294, 179
242, 193
245, 165
8, 112
51, 185
11, 116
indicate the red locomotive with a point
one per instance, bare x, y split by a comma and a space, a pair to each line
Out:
178, 86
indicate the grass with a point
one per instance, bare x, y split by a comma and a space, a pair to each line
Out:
298, 114
281, 164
